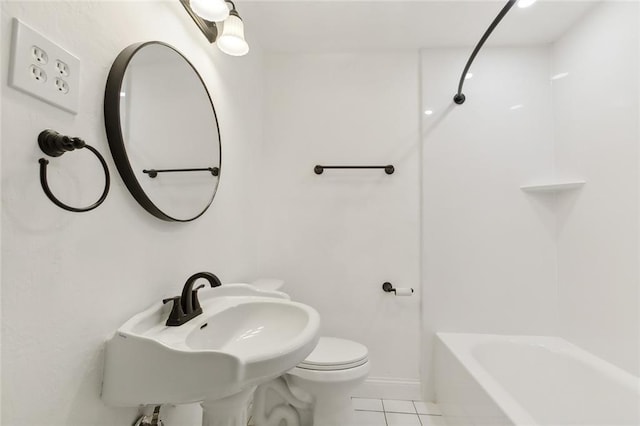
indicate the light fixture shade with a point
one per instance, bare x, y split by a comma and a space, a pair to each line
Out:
525, 3
211, 10
232, 41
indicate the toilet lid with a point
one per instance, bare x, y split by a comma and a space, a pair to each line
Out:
332, 353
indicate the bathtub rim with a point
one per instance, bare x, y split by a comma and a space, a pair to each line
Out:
461, 345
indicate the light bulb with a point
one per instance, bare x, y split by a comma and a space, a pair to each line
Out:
525, 3
232, 41
211, 10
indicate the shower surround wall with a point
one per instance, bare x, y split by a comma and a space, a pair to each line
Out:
499, 260
69, 280
488, 248
597, 136
335, 238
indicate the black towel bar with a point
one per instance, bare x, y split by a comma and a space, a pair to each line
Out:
153, 172
388, 169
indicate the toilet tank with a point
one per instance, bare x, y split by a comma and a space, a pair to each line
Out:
268, 284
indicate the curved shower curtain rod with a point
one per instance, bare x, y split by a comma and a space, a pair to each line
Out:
459, 97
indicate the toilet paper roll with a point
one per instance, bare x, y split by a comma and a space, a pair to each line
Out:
404, 291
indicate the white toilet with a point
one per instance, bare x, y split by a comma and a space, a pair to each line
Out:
318, 391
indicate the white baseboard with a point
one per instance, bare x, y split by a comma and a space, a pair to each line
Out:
389, 388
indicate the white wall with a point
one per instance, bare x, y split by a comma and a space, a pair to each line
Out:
69, 280
596, 125
337, 237
488, 248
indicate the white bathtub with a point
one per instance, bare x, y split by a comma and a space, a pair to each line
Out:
492, 380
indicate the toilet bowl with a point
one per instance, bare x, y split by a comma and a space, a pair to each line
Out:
329, 375
316, 392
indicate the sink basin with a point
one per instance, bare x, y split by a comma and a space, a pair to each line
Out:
243, 337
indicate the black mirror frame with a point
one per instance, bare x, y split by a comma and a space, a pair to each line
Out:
114, 130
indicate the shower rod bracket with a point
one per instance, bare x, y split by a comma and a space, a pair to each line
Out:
459, 97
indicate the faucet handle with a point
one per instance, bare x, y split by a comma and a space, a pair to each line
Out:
177, 314
194, 297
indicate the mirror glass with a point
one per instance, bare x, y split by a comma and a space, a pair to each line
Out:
163, 131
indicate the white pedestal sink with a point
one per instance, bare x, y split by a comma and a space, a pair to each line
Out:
244, 337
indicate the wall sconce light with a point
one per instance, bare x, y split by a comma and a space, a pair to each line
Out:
219, 24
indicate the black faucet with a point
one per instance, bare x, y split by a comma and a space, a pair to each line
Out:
187, 306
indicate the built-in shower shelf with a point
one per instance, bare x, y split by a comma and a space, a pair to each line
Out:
554, 186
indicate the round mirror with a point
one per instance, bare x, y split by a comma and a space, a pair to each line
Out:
163, 131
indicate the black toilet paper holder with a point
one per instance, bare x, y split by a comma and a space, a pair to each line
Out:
388, 288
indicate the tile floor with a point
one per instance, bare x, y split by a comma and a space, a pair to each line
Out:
391, 412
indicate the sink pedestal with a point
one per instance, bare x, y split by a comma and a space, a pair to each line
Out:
229, 411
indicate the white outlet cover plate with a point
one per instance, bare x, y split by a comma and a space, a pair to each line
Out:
24, 39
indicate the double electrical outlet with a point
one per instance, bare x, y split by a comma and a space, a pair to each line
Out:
43, 69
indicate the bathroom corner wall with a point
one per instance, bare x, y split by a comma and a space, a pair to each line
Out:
337, 237
489, 255
69, 280
597, 133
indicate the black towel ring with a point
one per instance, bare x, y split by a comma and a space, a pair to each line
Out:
54, 144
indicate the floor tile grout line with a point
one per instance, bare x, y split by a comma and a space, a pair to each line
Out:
384, 413
407, 414
424, 414
416, 408
402, 412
